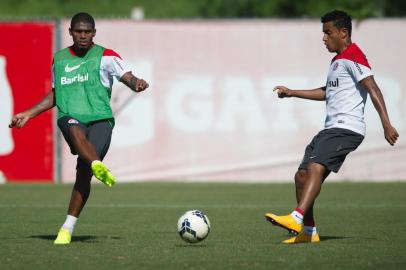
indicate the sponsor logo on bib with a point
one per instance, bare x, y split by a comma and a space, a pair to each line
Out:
70, 69
74, 79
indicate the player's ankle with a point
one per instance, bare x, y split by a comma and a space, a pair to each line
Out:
309, 230
70, 223
297, 215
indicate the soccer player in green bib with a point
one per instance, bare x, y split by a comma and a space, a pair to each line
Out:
82, 79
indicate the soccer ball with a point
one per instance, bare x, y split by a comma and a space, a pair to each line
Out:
193, 226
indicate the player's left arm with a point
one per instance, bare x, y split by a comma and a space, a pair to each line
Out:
116, 67
391, 135
134, 83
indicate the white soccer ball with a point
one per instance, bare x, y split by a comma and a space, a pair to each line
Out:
193, 226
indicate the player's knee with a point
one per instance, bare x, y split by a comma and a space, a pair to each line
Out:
316, 169
300, 177
83, 171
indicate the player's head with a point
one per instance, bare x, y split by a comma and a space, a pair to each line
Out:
337, 29
82, 29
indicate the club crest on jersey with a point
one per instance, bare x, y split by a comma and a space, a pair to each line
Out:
333, 83
335, 66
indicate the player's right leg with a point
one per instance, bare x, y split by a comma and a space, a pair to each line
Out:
63, 238
80, 194
81, 189
303, 237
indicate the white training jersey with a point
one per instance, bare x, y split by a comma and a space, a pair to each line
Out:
345, 97
112, 65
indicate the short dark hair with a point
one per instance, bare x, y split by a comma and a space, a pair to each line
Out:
339, 18
82, 17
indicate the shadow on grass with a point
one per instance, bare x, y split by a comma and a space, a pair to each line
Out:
190, 246
79, 238
328, 238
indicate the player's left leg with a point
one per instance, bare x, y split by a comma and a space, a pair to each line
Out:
88, 153
293, 222
312, 181
312, 186
83, 146
309, 231
328, 152
89, 142
99, 135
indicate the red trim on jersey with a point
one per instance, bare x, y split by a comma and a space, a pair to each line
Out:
108, 52
72, 52
353, 53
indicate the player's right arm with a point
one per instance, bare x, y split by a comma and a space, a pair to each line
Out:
313, 94
19, 120
391, 134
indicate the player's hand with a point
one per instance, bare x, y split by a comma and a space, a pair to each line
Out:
141, 85
391, 134
282, 91
19, 120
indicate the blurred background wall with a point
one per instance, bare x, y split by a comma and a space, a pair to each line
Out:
210, 113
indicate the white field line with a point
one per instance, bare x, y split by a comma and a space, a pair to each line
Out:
202, 206
132, 205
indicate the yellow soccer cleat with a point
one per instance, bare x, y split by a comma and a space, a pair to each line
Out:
63, 238
286, 222
303, 238
101, 172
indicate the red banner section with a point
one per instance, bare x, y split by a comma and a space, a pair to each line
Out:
25, 77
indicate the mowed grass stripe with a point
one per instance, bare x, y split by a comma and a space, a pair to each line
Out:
253, 206
133, 226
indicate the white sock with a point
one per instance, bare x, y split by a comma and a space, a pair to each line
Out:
310, 230
297, 217
70, 223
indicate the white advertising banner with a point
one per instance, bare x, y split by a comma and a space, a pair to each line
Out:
210, 113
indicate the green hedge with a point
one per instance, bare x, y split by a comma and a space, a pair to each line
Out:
201, 8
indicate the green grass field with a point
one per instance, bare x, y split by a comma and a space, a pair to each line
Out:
133, 226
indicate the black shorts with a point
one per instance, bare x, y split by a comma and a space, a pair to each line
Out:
330, 147
98, 133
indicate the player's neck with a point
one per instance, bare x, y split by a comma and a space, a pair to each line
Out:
344, 46
80, 52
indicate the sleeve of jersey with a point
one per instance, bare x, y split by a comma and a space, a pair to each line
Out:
114, 64
358, 70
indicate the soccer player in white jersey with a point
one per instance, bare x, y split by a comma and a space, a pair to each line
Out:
81, 89
349, 82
